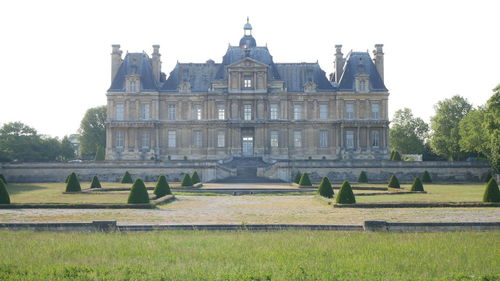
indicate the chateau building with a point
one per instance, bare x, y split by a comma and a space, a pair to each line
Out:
247, 105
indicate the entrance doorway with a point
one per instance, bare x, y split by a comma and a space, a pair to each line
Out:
247, 142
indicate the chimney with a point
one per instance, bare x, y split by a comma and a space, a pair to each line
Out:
339, 62
156, 62
116, 60
378, 59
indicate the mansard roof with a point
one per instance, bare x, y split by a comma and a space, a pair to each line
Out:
135, 64
296, 75
199, 76
360, 63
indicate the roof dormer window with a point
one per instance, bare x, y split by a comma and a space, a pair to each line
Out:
247, 82
132, 84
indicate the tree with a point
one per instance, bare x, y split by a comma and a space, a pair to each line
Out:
67, 151
492, 193
408, 133
186, 181
417, 185
362, 177
73, 184
195, 178
345, 195
445, 135
162, 188
93, 131
99, 155
127, 178
304, 180
138, 193
325, 188
297, 177
4, 194
95, 183
394, 182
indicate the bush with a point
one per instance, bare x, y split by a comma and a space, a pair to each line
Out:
297, 177
396, 156
417, 185
186, 181
138, 193
325, 188
345, 195
162, 188
73, 184
3, 179
492, 193
486, 177
4, 194
95, 183
426, 178
362, 177
127, 178
304, 180
195, 178
394, 182
392, 154
67, 179
99, 155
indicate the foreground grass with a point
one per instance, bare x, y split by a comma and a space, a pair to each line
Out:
289, 255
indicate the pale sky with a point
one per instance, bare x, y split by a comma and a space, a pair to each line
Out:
56, 54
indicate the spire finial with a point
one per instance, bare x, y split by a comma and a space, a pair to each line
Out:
248, 19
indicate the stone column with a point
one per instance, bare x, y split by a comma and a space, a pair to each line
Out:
357, 139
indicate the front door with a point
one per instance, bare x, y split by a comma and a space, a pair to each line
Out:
247, 144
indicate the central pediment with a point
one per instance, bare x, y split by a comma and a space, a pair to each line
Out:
247, 63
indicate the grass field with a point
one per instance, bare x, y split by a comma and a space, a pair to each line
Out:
288, 255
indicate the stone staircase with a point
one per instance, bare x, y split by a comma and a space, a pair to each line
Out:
246, 171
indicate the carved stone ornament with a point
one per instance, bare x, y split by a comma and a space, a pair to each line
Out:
310, 87
184, 87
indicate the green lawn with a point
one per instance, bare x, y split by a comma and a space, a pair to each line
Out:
287, 255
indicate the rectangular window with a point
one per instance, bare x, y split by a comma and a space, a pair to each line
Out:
349, 139
221, 112
349, 111
145, 139
297, 139
221, 139
197, 112
172, 138
119, 138
375, 139
247, 82
274, 139
323, 111
375, 111
323, 138
145, 111
119, 110
297, 112
274, 111
247, 112
197, 138
171, 112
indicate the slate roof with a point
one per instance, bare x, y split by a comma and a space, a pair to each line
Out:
199, 76
135, 63
296, 75
356, 63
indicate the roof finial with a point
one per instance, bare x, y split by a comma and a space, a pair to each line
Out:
248, 19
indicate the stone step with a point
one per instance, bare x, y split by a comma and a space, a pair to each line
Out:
253, 179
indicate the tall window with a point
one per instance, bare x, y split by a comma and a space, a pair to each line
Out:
221, 139
349, 111
362, 86
133, 86
297, 112
119, 110
145, 111
172, 137
375, 111
349, 139
171, 112
221, 112
247, 112
119, 138
323, 138
247, 81
375, 139
323, 111
197, 112
145, 139
274, 139
197, 138
297, 139
274, 111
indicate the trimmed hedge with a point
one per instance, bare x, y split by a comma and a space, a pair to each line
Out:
67, 179
127, 178
345, 195
492, 193
195, 178
487, 177
362, 177
99, 155
95, 183
426, 178
3, 179
297, 177
4, 194
417, 185
304, 180
325, 188
186, 181
73, 184
162, 188
138, 193
396, 156
394, 182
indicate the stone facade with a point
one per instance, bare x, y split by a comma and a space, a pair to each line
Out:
246, 106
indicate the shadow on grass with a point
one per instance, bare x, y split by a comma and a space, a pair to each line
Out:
15, 189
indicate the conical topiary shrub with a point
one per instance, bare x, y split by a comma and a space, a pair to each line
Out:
487, 177
67, 179
99, 155
392, 154
3, 178
297, 177
492, 193
127, 178
325, 188
362, 177
138, 193
195, 178
426, 178
4, 195
397, 156
186, 181
304, 180
394, 182
345, 195
95, 183
162, 188
73, 184
417, 185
